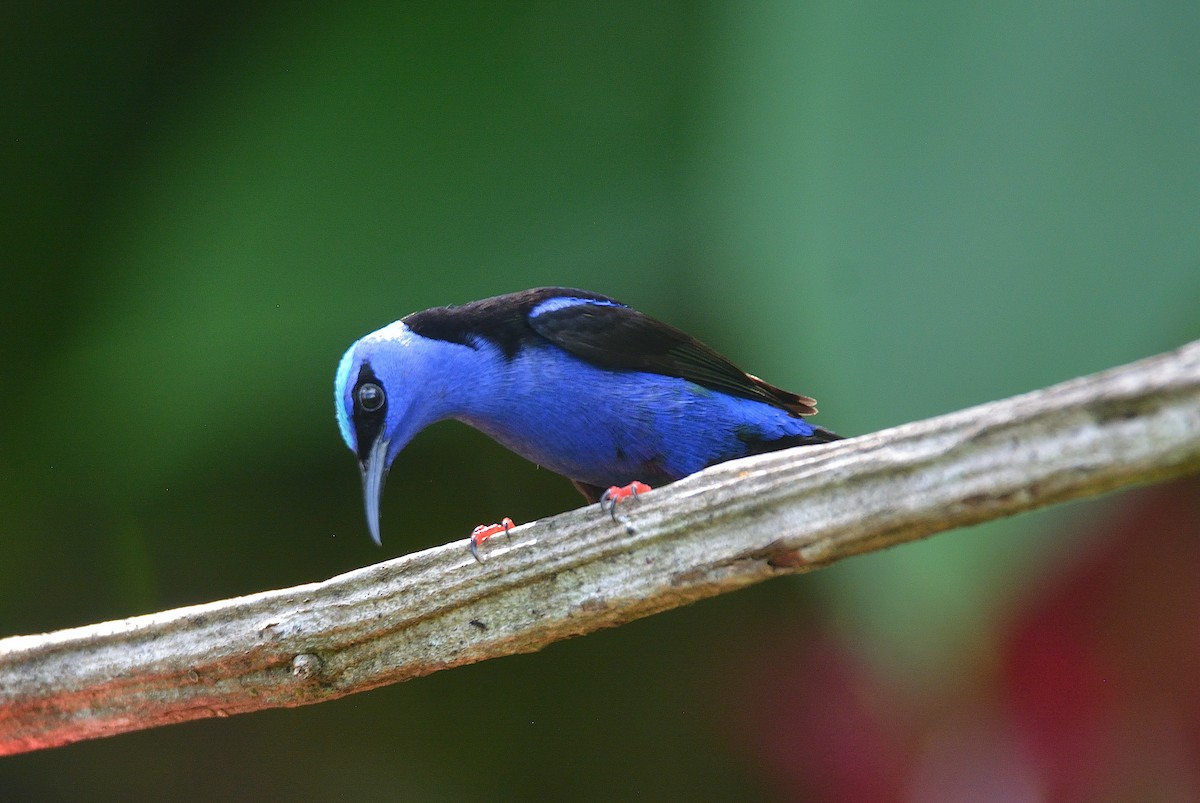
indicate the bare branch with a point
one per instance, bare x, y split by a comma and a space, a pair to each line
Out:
727, 527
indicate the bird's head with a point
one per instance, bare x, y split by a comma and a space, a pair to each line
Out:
379, 380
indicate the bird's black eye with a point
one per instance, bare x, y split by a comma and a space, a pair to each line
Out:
370, 396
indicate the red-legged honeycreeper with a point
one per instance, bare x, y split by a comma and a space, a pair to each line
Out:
571, 380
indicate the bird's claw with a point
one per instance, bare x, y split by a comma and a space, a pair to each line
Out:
610, 498
485, 531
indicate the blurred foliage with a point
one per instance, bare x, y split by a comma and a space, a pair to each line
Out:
898, 209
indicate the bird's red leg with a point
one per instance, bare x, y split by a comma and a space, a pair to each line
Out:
485, 531
616, 493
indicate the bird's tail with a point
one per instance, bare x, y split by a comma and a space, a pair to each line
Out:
819, 435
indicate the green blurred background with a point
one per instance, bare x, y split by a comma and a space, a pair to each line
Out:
901, 209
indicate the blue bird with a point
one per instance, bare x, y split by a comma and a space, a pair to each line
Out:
571, 380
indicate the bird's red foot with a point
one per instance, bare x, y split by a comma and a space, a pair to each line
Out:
485, 531
608, 501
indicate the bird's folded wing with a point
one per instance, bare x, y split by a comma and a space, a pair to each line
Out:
622, 339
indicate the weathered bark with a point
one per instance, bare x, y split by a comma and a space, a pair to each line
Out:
727, 527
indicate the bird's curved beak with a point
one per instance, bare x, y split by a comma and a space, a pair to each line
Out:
374, 471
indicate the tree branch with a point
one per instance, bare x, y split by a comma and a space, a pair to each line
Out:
727, 527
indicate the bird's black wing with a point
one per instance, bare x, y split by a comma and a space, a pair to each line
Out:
610, 335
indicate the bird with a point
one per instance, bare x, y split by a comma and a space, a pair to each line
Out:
574, 381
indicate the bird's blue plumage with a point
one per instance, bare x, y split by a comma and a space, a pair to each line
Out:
562, 302
538, 372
